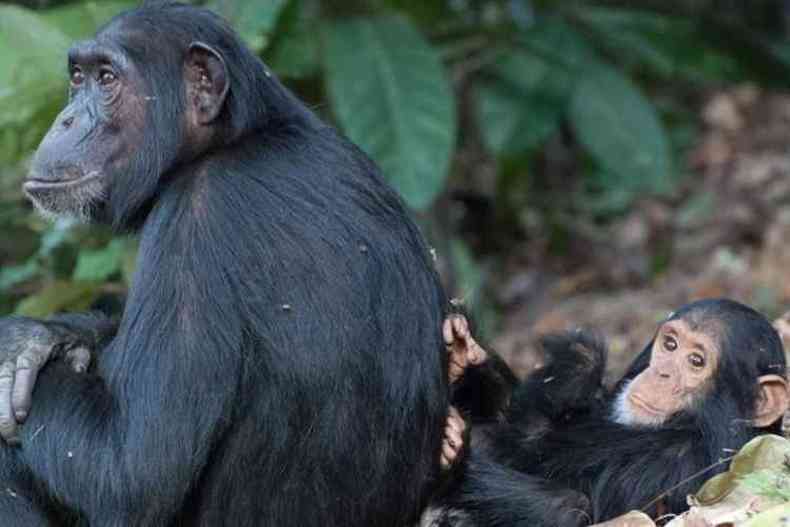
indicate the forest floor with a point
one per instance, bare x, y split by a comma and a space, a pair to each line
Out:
724, 231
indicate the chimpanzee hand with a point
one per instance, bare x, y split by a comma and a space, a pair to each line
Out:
463, 349
570, 383
26, 345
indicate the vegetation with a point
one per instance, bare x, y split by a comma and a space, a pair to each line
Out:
428, 89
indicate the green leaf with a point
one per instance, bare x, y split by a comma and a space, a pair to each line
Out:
519, 107
11, 276
101, 264
621, 130
32, 73
770, 483
294, 51
81, 20
773, 517
671, 47
560, 44
59, 296
765, 452
390, 94
254, 21
627, 33
56, 236
29, 47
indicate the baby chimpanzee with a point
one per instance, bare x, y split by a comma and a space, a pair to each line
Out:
570, 452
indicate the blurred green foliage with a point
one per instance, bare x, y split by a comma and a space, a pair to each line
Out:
398, 77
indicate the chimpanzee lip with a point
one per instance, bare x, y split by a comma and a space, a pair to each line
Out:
33, 184
641, 403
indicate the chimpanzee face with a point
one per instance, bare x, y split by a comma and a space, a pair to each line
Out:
682, 365
686, 357
126, 125
94, 138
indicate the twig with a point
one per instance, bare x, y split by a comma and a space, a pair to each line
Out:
683, 482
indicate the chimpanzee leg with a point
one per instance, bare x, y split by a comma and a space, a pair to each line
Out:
492, 494
20, 503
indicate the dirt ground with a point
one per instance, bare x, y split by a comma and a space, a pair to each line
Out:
723, 232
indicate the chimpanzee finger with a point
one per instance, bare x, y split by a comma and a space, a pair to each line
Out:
476, 354
447, 331
449, 454
456, 370
455, 421
461, 326
28, 365
8, 424
453, 438
79, 359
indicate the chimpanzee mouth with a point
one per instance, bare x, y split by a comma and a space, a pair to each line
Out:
34, 184
640, 403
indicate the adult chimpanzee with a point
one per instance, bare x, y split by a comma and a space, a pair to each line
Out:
279, 360
571, 453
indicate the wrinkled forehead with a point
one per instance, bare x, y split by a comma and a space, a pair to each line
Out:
97, 51
131, 31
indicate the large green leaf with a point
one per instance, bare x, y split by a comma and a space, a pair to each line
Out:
521, 105
294, 51
81, 20
54, 238
13, 275
627, 33
668, 46
60, 296
776, 516
390, 94
766, 452
254, 20
621, 130
558, 42
33, 76
32, 66
100, 264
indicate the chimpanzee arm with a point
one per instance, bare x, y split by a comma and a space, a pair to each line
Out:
26, 345
490, 493
137, 443
125, 443
571, 381
93, 328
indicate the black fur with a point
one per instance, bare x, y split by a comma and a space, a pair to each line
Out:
560, 433
279, 361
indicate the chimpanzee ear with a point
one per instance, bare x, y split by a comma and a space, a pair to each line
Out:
773, 400
207, 82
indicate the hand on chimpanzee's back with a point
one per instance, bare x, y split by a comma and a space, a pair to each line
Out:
26, 345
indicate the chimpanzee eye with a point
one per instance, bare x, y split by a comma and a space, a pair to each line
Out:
697, 360
670, 344
107, 77
77, 77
